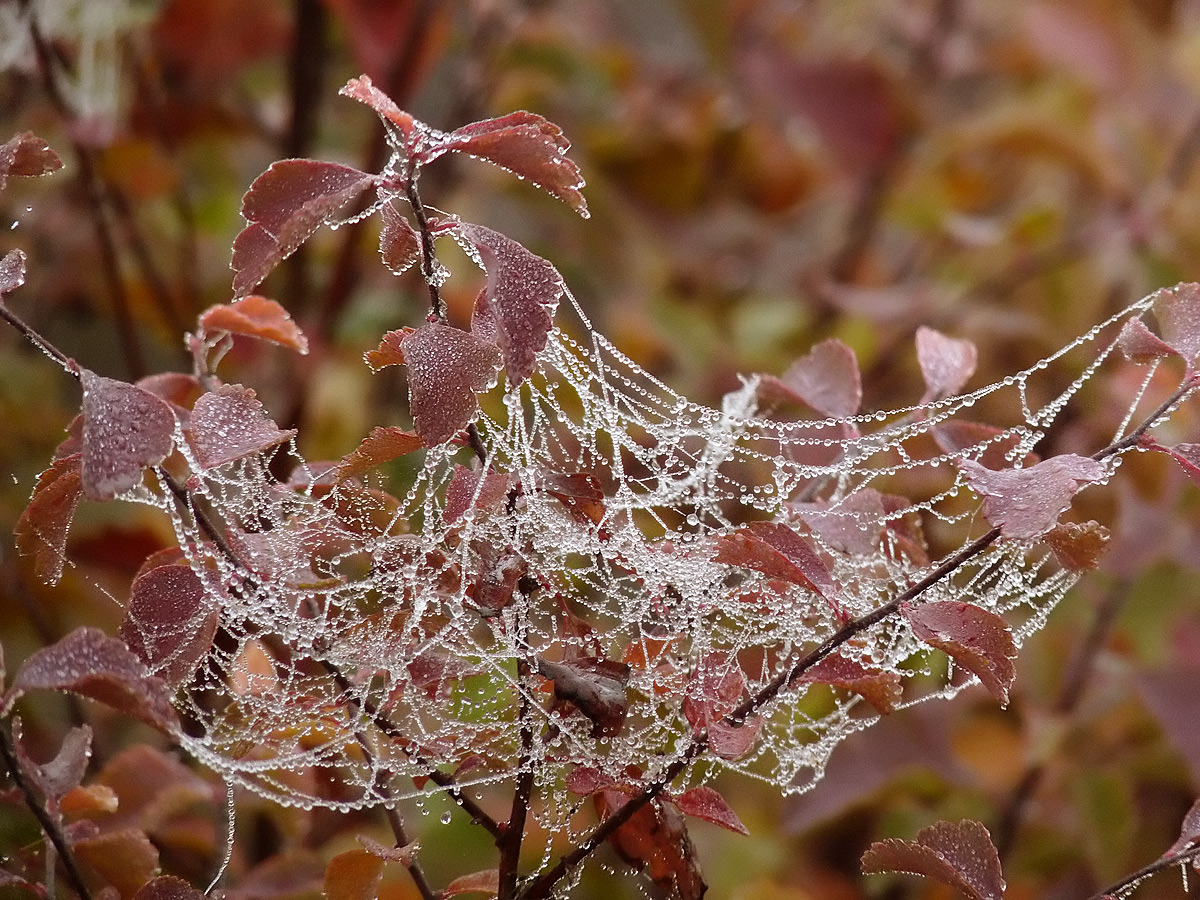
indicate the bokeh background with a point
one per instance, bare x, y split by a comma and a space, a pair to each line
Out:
761, 175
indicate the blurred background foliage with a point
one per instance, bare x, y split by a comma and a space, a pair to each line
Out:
762, 174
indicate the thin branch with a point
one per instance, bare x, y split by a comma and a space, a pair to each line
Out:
1120, 888
429, 261
509, 843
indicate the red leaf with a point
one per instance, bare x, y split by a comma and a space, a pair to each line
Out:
362, 90
125, 429
388, 353
777, 551
399, 245
655, 839
126, 859
714, 690
852, 524
229, 423
256, 317
353, 875
381, 445
283, 208
447, 367
585, 780
523, 291
402, 855
707, 804
41, 532
992, 444
946, 363
500, 571
484, 882
827, 380
12, 271
1078, 546
879, 688
1187, 455
26, 155
1178, 312
1141, 345
579, 492
961, 856
975, 638
168, 887
733, 741
528, 146
1026, 503
595, 686
169, 624
466, 492
90, 663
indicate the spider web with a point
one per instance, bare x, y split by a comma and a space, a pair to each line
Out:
357, 651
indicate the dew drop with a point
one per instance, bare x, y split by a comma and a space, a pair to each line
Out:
446, 818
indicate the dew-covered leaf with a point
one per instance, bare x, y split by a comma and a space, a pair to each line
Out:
353, 875
389, 352
383, 444
169, 624
89, 663
827, 380
362, 90
433, 672
126, 858
586, 780
1178, 312
1141, 345
579, 492
12, 271
486, 881
125, 429
230, 423
976, 639
714, 690
447, 367
946, 363
402, 855
734, 741
595, 686
879, 688
41, 532
26, 155
523, 291
527, 145
778, 551
467, 491
500, 571
707, 803
168, 887
399, 246
853, 524
257, 317
283, 208
1026, 503
655, 840
961, 855
1078, 546
1187, 455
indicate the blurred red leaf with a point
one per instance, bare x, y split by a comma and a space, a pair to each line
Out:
853, 524
1026, 503
946, 363
447, 367
383, 444
229, 423
655, 839
595, 686
168, 887
778, 551
961, 856
1178, 312
470, 489
376, 29
827, 380
12, 271
975, 638
523, 291
152, 787
955, 436
389, 352
399, 246
26, 155
125, 859
41, 531
353, 875
713, 690
169, 624
90, 663
257, 317
734, 741
881, 689
484, 882
706, 803
1078, 546
125, 429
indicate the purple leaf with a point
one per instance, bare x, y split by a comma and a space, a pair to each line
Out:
447, 367
707, 804
1141, 345
1026, 503
596, 687
1187, 455
1178, 312
879, 688
523, 291
827, 380
962, 856
500, 572
399, 245
12, 271
89, 663
283, 208
527, 145
41, 532
963, 438
169, 623
852, 524
125, 429
946, 363
778, 551
975, 638
26, 155
58, 777
714, 690
229, 423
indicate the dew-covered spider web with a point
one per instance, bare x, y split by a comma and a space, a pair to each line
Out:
600, 580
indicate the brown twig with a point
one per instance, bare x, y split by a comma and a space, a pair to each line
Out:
1119, 889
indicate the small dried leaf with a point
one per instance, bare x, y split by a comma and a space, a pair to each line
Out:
447, 367
41, 532
399, 245
168, 887
170, 624
946, 363
469, 489
1178, 312
827, 380
1141, 345
256, 317
595, 686
382, 445
961, 856
523, 291
12, 271
90, 663
353, 875
1026, 503
778, 551
125, 429
528, 146
389, 352
26, 155
706, 803
1078, 546
655, 839
64, 773
879, 688
975, 638
484, 882
229, 423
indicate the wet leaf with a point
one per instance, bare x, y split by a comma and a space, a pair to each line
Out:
714, 690
500, 571
170, 623
1178, 312
471, 489
961, 856
1141, 345
1026, 503
362, 90
827, 380
65, 772
41, 532
125, 429
399, 245
12, 271
389, 352
579, 492
486, 881
353, 875
523, 291
595, 686
402, 855
26, 155
778, 551
229, 423
706, 803
586, 780
1078, 546
383, 444
946, 363
655, 840
1189, 831
447, 367
89, 663
976, 639
527, 145
879, 688
1187, 455
734, 741
256, 317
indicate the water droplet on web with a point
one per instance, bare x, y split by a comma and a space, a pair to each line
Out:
446, 818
